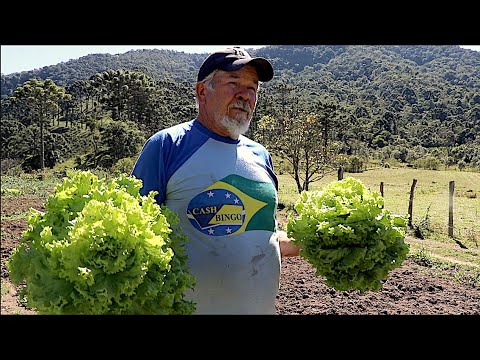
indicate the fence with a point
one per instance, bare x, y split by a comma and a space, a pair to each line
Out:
410, 203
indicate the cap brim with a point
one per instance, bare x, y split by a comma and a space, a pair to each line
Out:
263, 67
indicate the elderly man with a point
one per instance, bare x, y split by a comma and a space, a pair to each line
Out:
223, 187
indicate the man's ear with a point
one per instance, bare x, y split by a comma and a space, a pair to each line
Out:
200, 90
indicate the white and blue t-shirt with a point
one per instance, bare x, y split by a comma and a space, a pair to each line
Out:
225, 193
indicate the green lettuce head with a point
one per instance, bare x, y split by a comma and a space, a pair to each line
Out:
102, 248
345, 233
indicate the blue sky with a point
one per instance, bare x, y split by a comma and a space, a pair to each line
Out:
16, 58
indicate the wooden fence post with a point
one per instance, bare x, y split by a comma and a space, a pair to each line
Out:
450, 208
340, 173
410, 203
381, 188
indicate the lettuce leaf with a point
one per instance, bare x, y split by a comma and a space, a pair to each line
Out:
102, 248
346, 234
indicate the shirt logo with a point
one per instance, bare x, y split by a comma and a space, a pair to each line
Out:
232, 206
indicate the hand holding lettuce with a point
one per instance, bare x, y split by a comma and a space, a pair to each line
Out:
345, 233
102, 248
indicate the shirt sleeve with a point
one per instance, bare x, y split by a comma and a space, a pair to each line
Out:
150, 167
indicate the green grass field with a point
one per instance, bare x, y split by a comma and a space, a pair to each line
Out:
430, 206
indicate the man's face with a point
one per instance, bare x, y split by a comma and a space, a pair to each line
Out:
233, 99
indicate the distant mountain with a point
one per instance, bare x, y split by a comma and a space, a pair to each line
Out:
180, 66
399, 97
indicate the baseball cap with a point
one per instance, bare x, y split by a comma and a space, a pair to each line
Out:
235, 58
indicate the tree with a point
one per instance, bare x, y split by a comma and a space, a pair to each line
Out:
300, 141
95, 136
41, 97
120, 139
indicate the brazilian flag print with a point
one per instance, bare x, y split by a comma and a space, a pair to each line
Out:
233, 205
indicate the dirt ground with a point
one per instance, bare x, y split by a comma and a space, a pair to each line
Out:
412, 289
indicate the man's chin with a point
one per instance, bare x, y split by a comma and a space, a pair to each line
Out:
235, 126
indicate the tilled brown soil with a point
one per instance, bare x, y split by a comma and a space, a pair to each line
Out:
412, 289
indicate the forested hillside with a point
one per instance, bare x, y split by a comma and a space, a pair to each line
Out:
418, 105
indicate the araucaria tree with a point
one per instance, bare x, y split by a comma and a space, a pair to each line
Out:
41, 99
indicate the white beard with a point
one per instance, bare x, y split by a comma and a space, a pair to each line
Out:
239, 124
235, 126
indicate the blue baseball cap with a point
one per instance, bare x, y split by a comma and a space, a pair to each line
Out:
235, 58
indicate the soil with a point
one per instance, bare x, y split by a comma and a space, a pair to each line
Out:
412, 289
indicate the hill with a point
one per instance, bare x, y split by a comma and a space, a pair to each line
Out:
402, 102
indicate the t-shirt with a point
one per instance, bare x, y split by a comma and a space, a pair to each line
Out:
225, 194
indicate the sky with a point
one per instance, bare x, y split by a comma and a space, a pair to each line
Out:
16, 58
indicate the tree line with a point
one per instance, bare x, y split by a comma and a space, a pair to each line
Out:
313, 116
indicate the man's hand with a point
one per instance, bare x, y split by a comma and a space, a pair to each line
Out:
287, 248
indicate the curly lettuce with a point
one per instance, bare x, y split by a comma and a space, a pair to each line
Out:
346, 234
102, 248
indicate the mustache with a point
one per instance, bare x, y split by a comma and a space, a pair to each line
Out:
241, 105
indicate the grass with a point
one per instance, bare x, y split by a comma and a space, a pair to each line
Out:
430, 207
430, 196
27, 185
463, 273
5, 289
